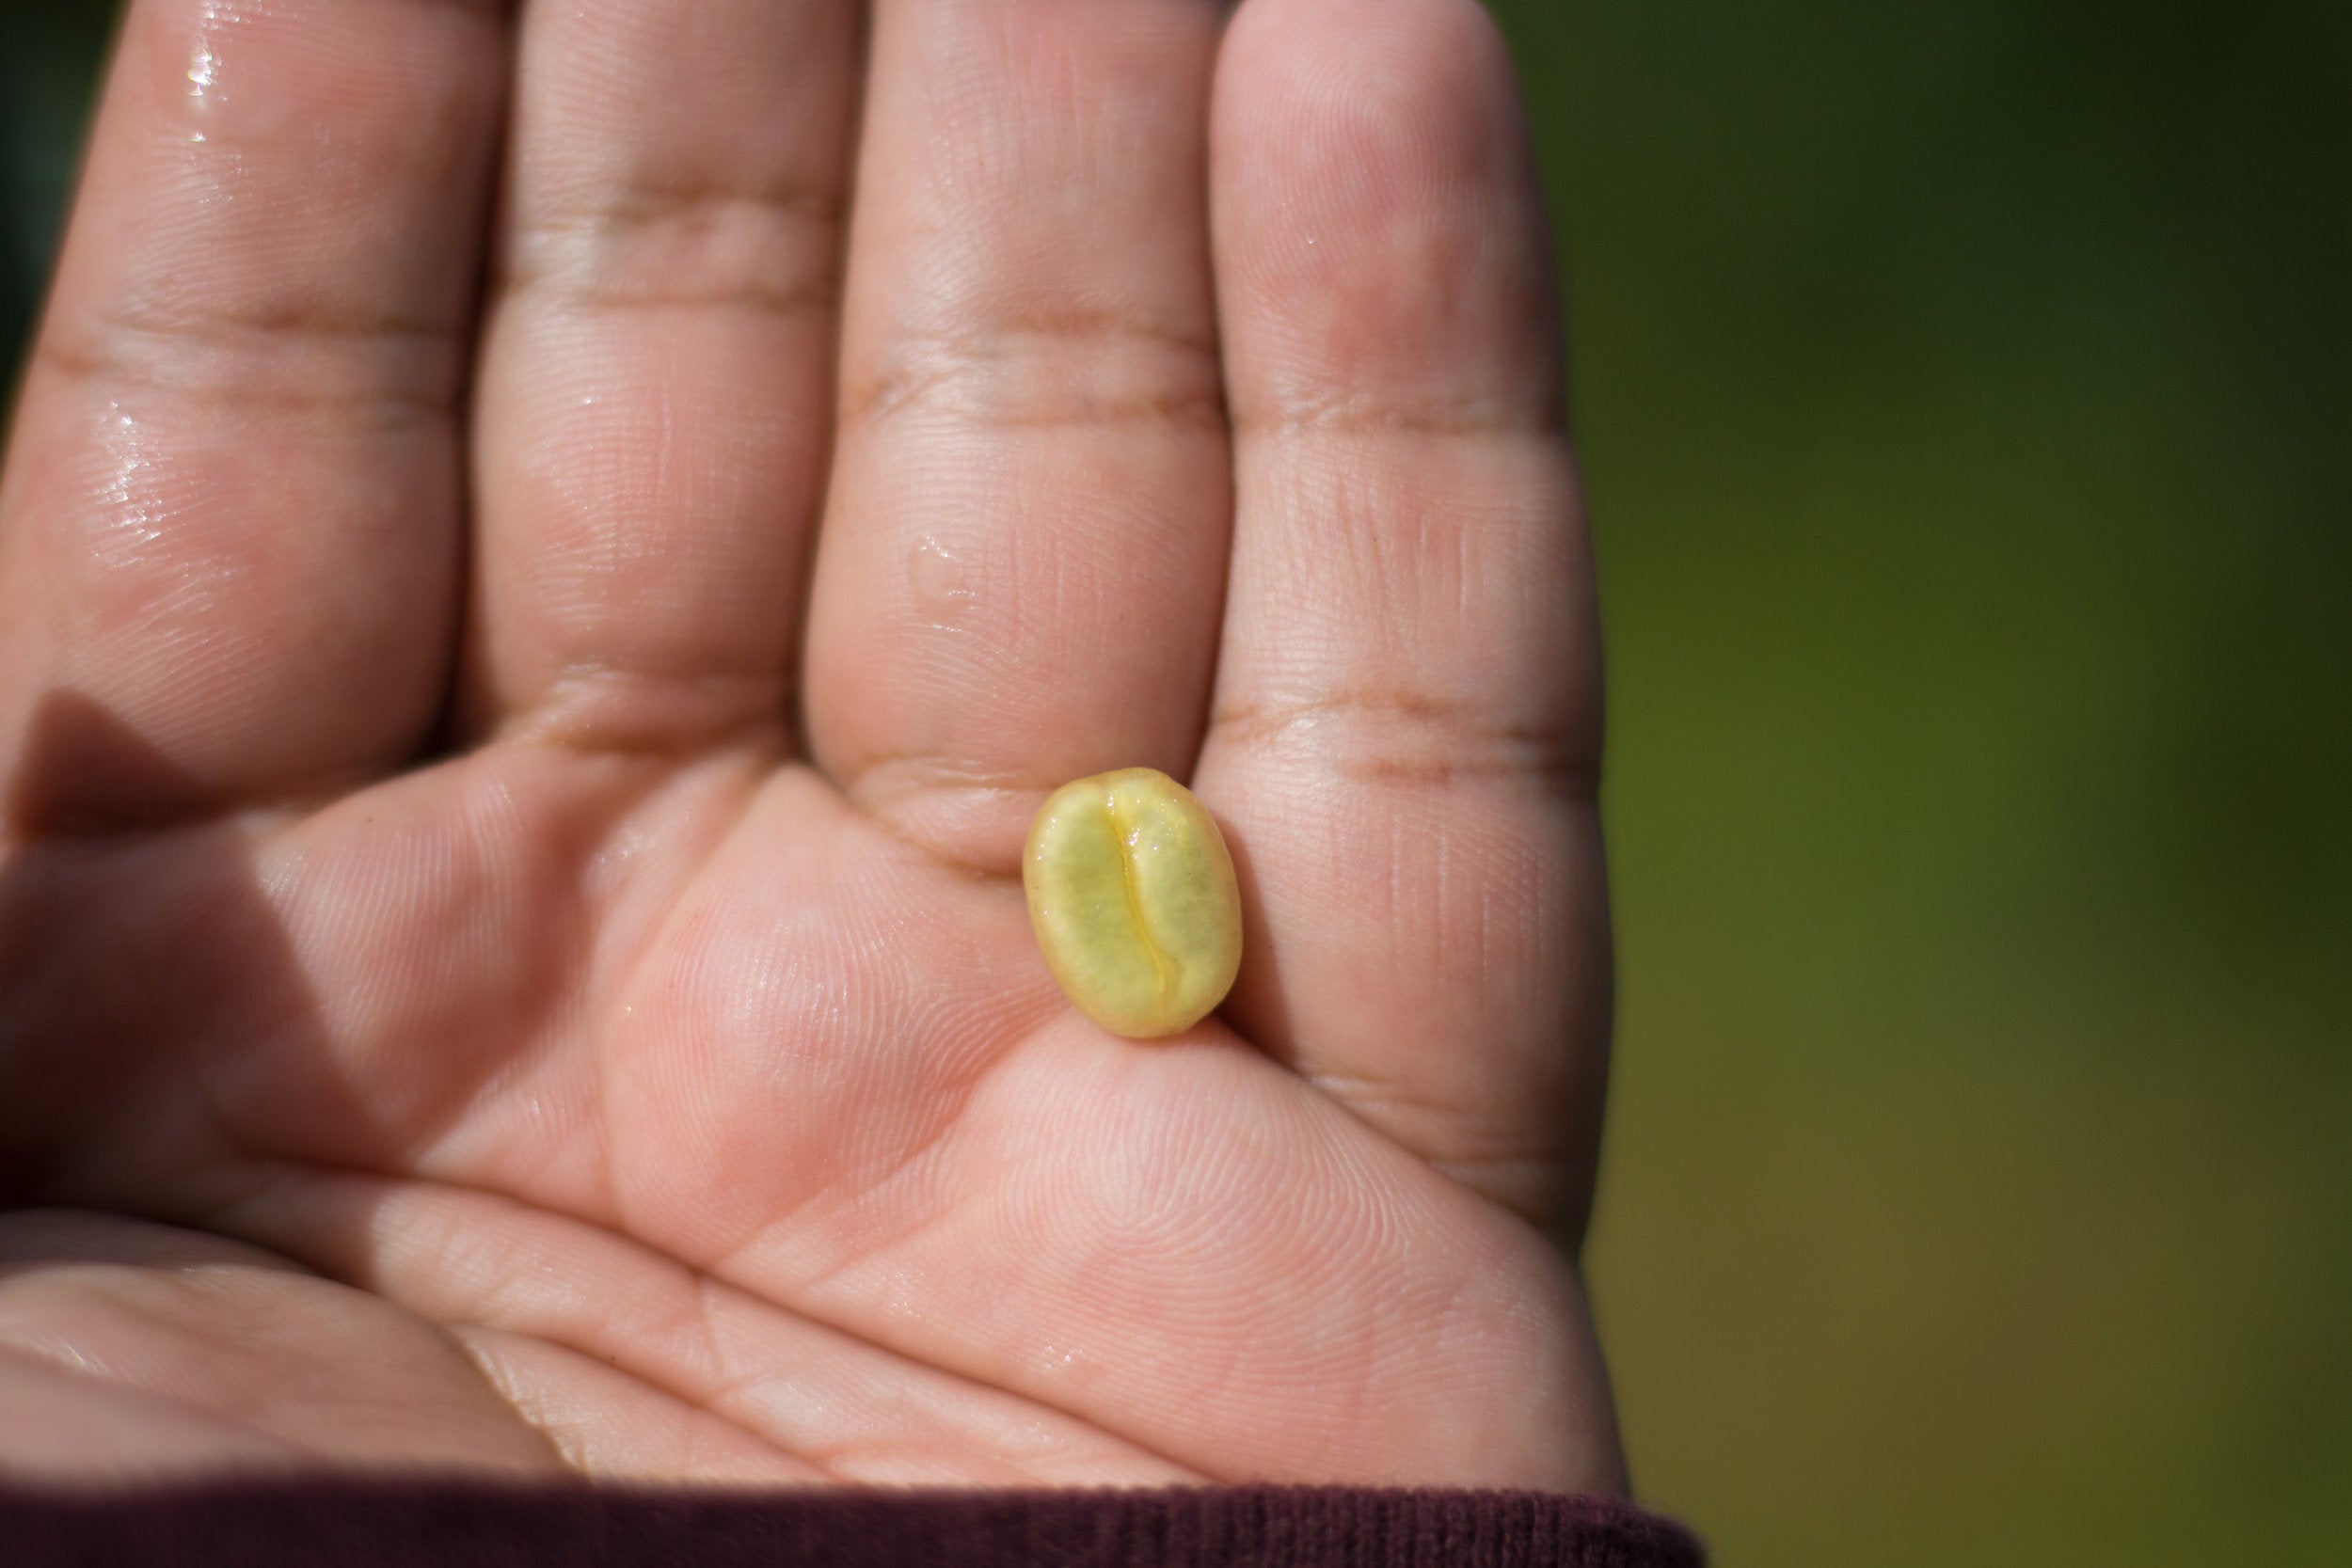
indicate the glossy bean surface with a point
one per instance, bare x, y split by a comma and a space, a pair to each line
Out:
1132, 893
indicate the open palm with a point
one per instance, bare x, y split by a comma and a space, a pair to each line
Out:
518, 715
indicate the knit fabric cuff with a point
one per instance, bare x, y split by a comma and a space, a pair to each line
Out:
394, 1523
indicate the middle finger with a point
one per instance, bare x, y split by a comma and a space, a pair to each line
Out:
655, 383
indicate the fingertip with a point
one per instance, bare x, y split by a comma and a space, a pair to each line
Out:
1432, 77
1376, 212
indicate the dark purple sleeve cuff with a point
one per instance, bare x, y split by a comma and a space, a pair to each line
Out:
460, 1524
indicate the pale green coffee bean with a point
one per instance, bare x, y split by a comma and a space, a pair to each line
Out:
1133, 896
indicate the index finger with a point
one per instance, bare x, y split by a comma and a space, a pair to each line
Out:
228, 522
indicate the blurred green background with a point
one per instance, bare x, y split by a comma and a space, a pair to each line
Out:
1966, 399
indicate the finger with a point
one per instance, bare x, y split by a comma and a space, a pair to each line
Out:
67, 1427
229, 516
1020, 573
1406, 715
235, 1344
657, 365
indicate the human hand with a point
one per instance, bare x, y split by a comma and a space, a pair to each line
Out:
511, 948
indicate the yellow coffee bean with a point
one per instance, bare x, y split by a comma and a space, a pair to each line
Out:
1133, 896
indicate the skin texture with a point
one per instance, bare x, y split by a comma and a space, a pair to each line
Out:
1132, 896
539, 595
